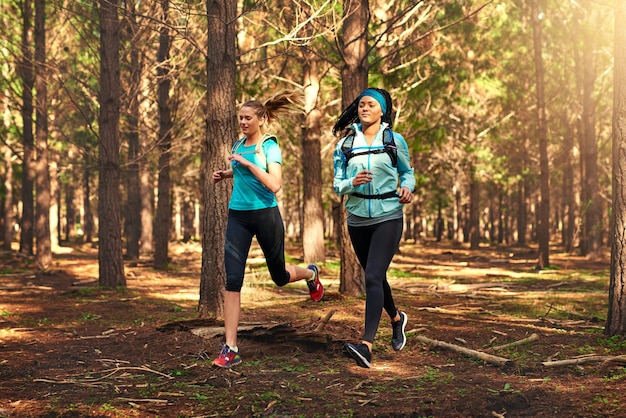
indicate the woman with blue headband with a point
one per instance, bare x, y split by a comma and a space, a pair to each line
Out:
373, 169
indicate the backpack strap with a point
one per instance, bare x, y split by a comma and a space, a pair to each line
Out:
389, 146
236, 145
258, 149
387, 195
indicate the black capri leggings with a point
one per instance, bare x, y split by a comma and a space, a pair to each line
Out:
375, 246
267, 225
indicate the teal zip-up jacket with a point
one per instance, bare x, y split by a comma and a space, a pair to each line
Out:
385, 177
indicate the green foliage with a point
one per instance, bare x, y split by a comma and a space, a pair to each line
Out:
615, 343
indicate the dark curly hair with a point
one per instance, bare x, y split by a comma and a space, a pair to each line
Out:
351, 113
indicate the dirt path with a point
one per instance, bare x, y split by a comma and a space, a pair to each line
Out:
69, 349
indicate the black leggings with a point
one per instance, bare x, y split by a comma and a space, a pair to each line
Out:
267, 225
375, 247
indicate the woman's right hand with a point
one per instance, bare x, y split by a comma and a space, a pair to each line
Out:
362, 177
221, 175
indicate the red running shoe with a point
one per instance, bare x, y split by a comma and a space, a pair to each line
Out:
316, 290
227, 358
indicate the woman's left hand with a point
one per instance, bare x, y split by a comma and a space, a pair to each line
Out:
406, 196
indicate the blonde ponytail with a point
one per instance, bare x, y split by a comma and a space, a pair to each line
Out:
284, 103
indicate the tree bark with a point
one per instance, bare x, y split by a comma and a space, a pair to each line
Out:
221, 132
88, 221
7, 233
27, 75
616, 317
313, 226
522, 205
147, 209
55, 203
42, 225
543, 225
164, 205
110, 257
592, 224
569, 201
354, 80
474, 209
133, 203
70, 212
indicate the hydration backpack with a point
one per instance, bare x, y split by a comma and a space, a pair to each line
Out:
389, 146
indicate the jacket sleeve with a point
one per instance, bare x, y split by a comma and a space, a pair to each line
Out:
342, 184
405, 171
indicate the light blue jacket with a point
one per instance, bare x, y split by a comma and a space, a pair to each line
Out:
385, 177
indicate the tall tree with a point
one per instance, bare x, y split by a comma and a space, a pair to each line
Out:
147, 202
110, 258
354, 79
28, 172
569, 202
221, 128
42, 226
313, 226
133, 201
7, 233
590, 198
616, 317
473, 220
164, 205
88, 216
543, 227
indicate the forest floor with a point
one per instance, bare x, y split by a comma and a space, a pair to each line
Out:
71, 349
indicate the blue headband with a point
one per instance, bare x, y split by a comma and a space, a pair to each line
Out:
376, 96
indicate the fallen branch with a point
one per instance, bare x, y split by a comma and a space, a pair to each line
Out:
152, 401
531, 338
324, 321
355, 393
586, 360
489, 358
67, 382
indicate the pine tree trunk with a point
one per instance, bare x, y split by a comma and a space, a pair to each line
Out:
27, 76
55, 203
110, 257
42, 224
147, 209
589, 152
354, 80
221, 132
313, 225
88, 220
164, 204
7, 233
569, 203
474, 210
133, 204
522, 210
616, 317
543, 224
70, 212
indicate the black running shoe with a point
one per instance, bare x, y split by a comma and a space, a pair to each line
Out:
398, 339
360, 353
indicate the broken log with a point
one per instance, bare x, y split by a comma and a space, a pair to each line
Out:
489, 358
284, 331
